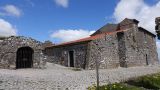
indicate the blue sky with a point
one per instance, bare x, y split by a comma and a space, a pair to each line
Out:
66, 20
39, 19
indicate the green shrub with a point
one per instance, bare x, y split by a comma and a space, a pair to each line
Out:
149, 82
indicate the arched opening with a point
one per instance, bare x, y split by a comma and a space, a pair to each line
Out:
24, 57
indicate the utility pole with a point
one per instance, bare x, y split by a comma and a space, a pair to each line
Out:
97, 68
97, 73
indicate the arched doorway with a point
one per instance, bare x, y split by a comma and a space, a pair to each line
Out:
24, 57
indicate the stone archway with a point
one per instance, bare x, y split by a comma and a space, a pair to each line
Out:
24, 57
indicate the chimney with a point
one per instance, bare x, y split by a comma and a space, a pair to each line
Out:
157, 21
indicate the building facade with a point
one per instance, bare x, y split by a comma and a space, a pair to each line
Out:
114, 45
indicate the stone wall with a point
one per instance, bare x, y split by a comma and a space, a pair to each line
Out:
105, 50
128, 46
140, 47
9, 47
121, 49
134, 53
131, 47
60, 55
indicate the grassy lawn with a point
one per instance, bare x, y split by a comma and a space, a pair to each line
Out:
116, 86
141, 83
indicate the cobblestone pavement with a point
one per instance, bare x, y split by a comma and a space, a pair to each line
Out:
57, 77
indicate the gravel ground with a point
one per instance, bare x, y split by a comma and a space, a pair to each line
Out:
57, 77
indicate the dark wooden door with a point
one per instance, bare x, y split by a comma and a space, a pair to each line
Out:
71, 57
24, 57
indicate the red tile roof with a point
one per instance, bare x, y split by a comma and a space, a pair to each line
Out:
87, 38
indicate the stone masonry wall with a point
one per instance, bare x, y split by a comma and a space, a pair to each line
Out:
60, 55
121, 49
140, 47
105, 50
9, 47
133, 47
134, 53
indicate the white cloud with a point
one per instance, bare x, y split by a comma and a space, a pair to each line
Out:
70, 35
11, 10
139, 10
63, 3
6, 29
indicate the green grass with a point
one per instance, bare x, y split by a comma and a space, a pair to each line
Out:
141, 83
149, 82
116, 86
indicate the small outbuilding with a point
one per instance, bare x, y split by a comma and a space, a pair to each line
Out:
21, 52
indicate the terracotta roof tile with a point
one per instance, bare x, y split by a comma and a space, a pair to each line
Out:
87, 38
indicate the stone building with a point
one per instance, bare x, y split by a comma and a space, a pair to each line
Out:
114, 45
20, 52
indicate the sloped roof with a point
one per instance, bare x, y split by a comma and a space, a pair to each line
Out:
106, 28
115, 27
127, 21
87, 39
141, 28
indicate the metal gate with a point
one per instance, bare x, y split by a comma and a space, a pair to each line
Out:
24, 57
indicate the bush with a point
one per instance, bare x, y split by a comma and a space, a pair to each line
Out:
149, 82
